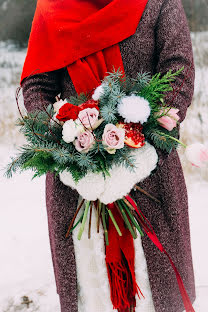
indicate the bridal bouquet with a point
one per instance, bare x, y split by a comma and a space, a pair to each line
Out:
102, 145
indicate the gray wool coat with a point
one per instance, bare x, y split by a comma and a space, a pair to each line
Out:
161, 42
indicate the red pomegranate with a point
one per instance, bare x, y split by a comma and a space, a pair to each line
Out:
133, 134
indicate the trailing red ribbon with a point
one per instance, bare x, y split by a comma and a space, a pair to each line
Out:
150, 232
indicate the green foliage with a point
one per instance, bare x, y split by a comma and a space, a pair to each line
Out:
18, 162
77, 100
42, 162
109, 112
157, 88
163, 139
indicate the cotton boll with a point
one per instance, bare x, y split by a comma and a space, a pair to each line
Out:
67, 179
58, 105
197, 154
134, 109
98, 92
70, 131
55, 121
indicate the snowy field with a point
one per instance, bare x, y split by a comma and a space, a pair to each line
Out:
26, 271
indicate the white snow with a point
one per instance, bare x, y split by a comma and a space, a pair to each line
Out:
25, 259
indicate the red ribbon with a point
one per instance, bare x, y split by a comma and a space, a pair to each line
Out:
147, 227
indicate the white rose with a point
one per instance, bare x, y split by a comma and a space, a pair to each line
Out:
70, 131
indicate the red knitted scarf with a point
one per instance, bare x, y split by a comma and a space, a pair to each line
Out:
83, 36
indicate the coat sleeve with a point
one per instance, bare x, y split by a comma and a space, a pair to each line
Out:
41, 89
174, 50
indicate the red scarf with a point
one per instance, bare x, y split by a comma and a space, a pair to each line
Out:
83, 36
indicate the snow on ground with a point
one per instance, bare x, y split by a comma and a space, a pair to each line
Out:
25, 260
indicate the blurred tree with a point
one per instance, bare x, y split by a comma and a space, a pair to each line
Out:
16, 18
197, 14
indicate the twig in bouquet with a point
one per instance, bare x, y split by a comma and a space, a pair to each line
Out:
128, 161
126, 220
54, 136
51, 117
187, 74
141, 218
72, 222
129, 205
104, 224
17, 95
90, 221
23, 118
38, 135
146, 193
87, 205
90, 127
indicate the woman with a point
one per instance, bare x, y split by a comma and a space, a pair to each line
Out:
69, 43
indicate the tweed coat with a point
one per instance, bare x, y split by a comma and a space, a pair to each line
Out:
161, 42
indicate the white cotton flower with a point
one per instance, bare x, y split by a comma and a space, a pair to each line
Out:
134, 108
70, 131
58, 105
54, 120
197, 154
98, 92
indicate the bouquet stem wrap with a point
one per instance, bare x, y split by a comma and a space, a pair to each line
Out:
120, 260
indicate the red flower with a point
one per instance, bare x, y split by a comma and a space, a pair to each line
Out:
68, 111
89, 104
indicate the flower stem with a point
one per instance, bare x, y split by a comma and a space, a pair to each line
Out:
72, 222
87, 205
126, 220
114, 222
132, 218
172, 138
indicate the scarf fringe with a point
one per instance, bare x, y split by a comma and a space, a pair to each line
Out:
123, 285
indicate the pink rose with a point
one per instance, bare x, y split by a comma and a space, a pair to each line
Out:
84, 142
169, 121
89, 117
113, 138
197, 154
